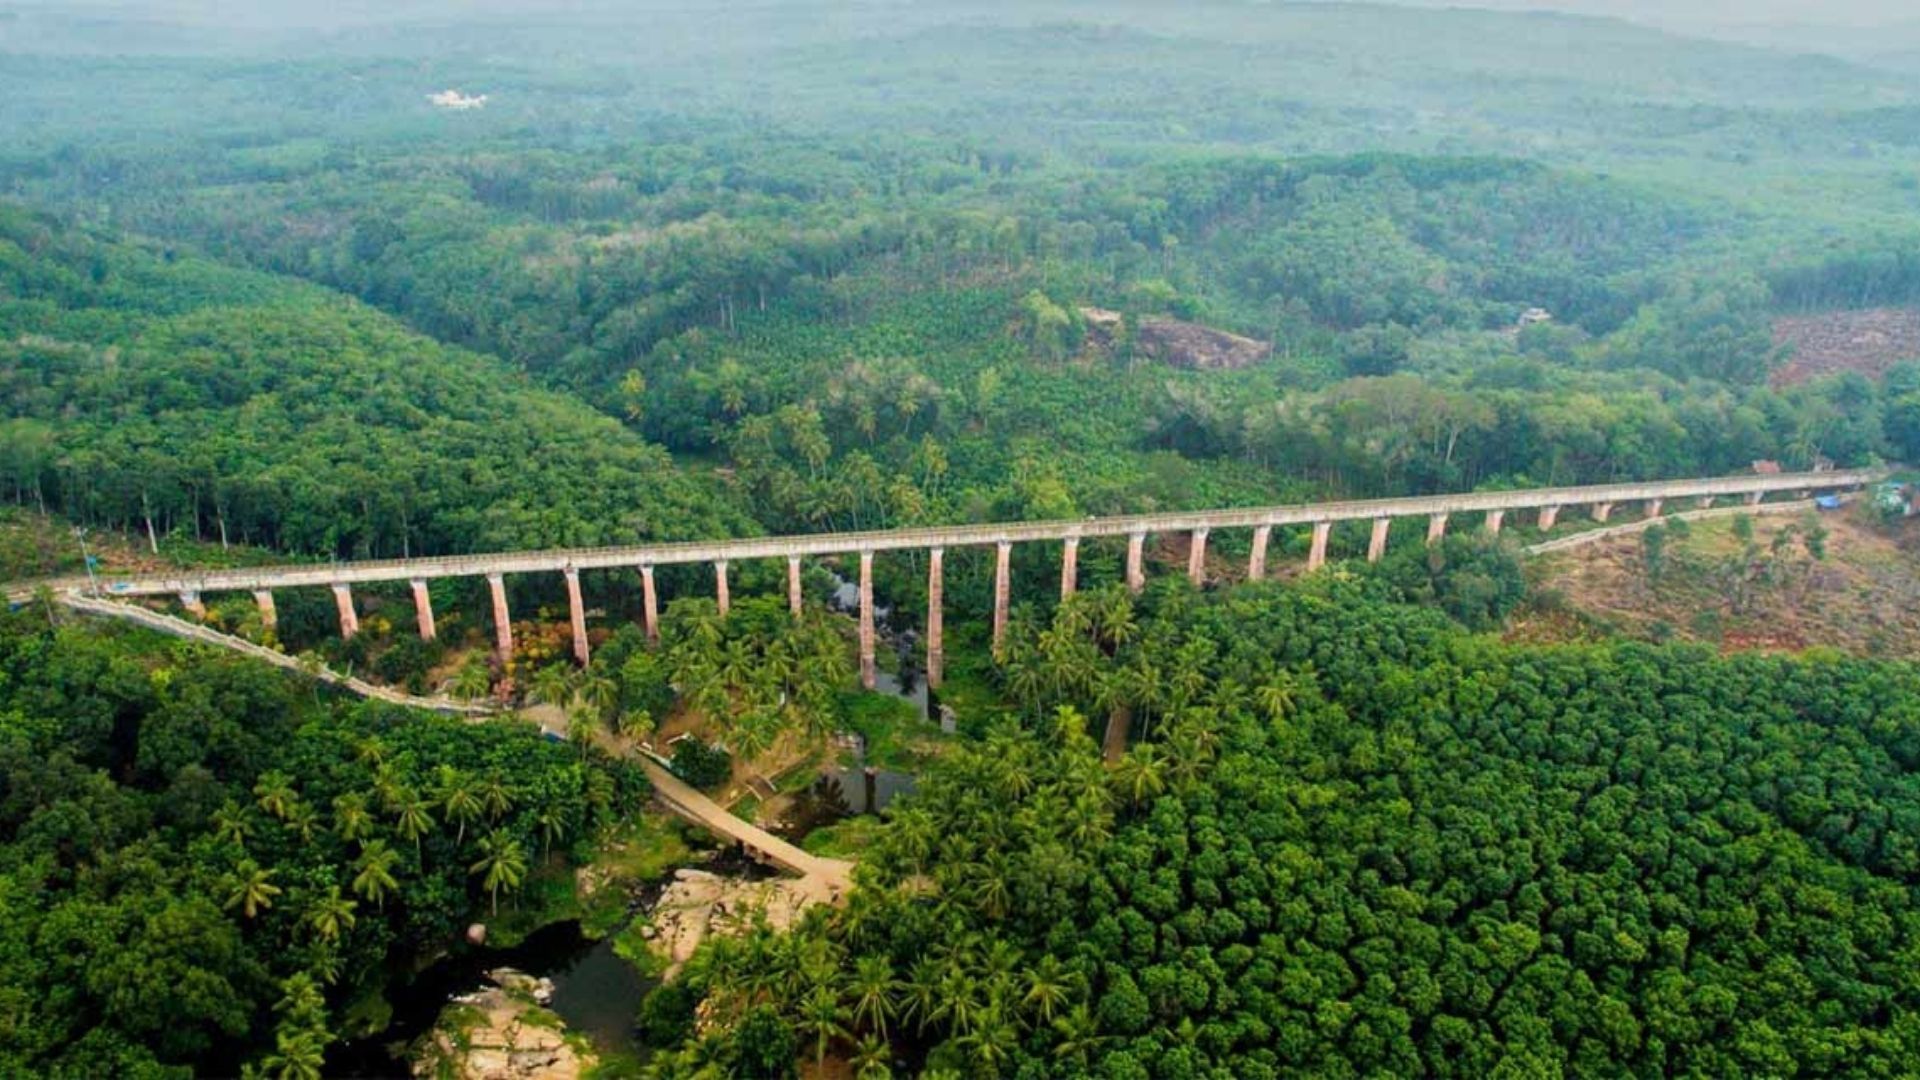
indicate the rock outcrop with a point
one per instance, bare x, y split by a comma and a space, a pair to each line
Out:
698, 904
502, 1033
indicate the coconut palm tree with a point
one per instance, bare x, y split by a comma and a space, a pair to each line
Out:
872, 991
331, 914
1048, 986
820, 1019
496, 796
600, 692
274, 792
250, 888
1276, 696
1142, 773
231, 824
553, 826
502, 864
458, 800
1079, 1036
872, 1059
370, 751
298, 1054
351, 818
373, 873
302, 820
551, 685
473, 680
411, 817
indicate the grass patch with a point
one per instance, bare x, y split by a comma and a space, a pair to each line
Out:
844, 839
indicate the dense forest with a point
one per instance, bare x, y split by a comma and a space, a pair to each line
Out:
1355, 840
280, 282
205, 864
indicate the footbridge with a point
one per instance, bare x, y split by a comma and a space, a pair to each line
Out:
1492, 509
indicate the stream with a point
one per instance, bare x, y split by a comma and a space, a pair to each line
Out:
595, 991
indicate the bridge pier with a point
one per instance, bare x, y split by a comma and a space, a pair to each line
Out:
1317, 554
577, 614
869, 676
1197, 557
1002, 595
650, 601
269, 615
1654, 507
1495, 519
1069, 567
1436, 529
1754, 497
1706, 502
1548, 515
1136, 569
1602, 511
196, 607
423, 609
1377, 545
722, 597
502, 618
936, 587
349, 619
793, 585
1257, 560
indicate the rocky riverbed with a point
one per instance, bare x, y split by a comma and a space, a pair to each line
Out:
503, 1032
698, 904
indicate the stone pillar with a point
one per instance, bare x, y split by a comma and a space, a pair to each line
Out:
1069, 567
190, 600
1257, 561
722, 596
349, 619
1602, 511
1317, 554
868, 673
577, 609
1653, 507
1197, 557
936, 587
1377, 546
1548, 515
1002, 594
793, 585
1436, 528
651, 600
1495, 519
269, 615
423, 609
502, 618
1136, 567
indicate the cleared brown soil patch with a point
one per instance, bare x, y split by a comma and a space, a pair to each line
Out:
1863, 598
1176, 343
1869, 341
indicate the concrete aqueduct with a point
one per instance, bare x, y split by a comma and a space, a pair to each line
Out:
1545, 503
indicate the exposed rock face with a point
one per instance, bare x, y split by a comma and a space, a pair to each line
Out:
502, 1033
699, 903
1175, 343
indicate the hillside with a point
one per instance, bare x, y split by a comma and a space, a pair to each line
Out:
148, 390
1860, 593
1867, 341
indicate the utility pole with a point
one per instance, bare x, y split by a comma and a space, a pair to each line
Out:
86, 559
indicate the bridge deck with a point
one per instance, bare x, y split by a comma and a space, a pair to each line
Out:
556, 560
